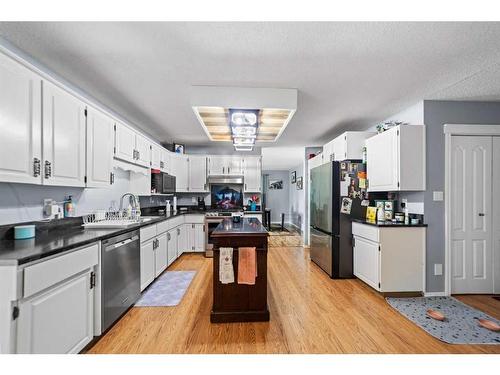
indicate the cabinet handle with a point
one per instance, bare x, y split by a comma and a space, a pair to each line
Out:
154, 244
138, 155
481, 214
48, 169
223, 170
178, 232
111, 178
36, 167
245, 186
168, 236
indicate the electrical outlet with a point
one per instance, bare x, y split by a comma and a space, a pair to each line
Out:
438, 269
437, 196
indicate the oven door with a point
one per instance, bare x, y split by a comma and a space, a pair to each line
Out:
210, 225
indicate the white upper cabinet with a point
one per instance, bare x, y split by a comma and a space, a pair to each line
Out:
396, 159
99, 149
235, 165
347, 146
156, 157
224, 165
165, 161
143, 147
63, 138
252, 168
131, 146
20, 123
125, 143
179, 167
198, 173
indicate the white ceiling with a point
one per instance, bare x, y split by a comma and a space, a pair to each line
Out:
349, 75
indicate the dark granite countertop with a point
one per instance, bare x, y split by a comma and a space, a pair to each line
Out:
388, 224
54, 239
246, 227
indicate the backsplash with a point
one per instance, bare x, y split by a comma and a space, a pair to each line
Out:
24, 202
183, 199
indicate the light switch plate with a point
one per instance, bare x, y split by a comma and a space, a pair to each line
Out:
437, 196
438, 269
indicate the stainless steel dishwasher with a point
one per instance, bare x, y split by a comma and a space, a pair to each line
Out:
120, 275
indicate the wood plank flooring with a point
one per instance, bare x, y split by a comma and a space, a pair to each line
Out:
310, 313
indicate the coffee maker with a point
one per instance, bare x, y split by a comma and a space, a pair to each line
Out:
201, 203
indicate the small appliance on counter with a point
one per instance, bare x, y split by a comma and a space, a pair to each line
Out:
201, 204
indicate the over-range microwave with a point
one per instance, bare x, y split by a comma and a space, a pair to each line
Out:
162, 183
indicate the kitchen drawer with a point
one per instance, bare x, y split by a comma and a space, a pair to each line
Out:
369, 232
195, 218
148, 232
162, 227
175, 222
45, 274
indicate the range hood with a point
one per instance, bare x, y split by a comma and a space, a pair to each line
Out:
225, 180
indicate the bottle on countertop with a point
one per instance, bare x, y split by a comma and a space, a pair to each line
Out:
167, 207
175, 203
69, 207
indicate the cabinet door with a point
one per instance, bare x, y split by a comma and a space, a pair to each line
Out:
199, 237
182, 239
172, 245
63, 138
20, 123
234, 165
382, 161
147, 263
180, 169
198, 174
366, 264
99, 149
339, 149
217, 165
156, 157
143, 147
252, 175
59, 320
124, 143
161, 254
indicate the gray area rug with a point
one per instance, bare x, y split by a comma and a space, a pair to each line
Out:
460, 325
167, 290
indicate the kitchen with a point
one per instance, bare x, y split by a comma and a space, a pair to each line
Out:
98, 212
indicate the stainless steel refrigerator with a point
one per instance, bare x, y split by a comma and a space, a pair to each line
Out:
337, 195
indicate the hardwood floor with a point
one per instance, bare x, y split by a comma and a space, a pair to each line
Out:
310, 313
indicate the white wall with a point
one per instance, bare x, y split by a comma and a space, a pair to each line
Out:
24, 202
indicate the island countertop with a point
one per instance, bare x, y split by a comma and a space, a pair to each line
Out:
246, 227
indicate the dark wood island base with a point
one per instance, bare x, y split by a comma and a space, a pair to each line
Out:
240, 302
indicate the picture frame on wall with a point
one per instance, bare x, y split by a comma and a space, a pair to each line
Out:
179, 148
299, 183
294, 177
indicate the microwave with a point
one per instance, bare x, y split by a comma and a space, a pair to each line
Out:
162, 183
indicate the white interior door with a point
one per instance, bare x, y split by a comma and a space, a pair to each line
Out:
496, 214
471, 215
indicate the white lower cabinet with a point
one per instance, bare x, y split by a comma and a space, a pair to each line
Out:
390, 259
59, 320
55, 313
196, 237
147, 263
161, 254
182, 239
172, 245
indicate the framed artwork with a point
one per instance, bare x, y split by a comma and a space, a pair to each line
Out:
299, 183
294, 177
275, 184
178, 148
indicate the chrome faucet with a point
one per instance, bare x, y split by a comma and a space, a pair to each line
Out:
135, 204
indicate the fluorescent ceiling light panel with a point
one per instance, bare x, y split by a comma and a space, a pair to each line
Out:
274, 110
243, 148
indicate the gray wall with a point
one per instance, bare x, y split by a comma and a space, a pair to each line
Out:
278, 200
436, 114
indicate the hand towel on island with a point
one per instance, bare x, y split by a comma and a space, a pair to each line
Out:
247, 265
226, 271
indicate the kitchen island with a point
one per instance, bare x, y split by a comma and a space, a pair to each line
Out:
234, 302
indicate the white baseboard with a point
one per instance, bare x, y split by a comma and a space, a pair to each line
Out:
434, 294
